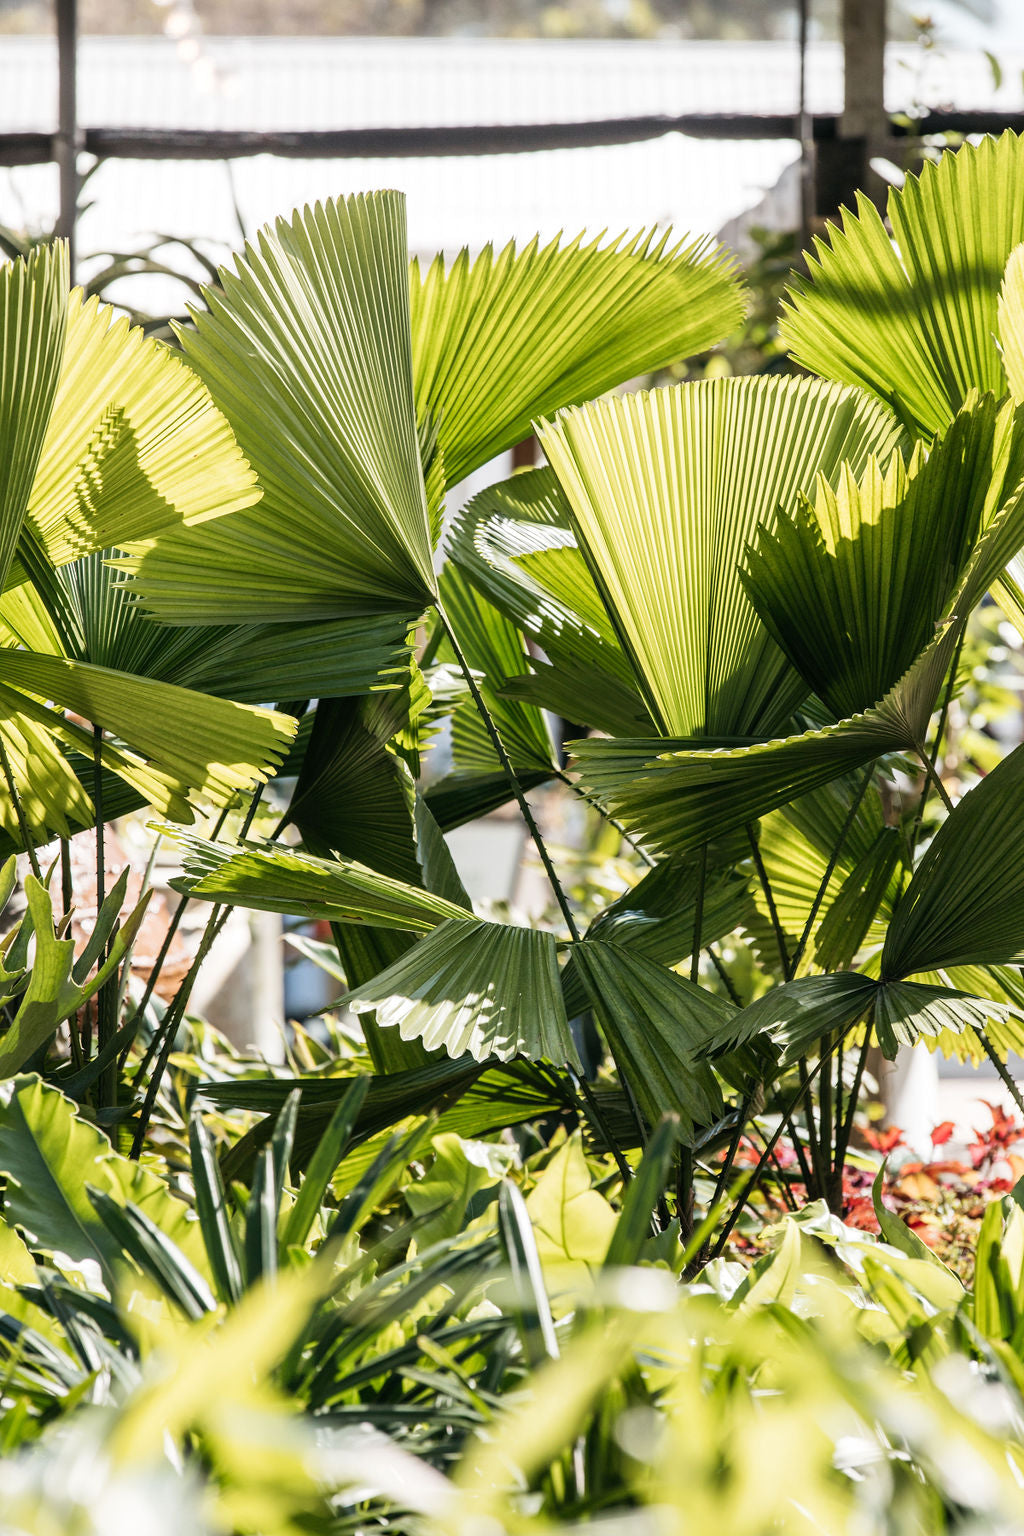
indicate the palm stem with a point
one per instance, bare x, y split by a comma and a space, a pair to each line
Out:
19, 809
830, 868
773, 911
698, 916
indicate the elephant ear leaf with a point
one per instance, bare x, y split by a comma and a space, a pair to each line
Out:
504, 339
913, 318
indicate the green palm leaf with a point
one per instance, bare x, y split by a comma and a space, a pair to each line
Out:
965, 903
1010, 318
475, 988
274, 879
134, 443
504, 339
913, 319
33, 319
307, 351
499, 542
656, 1023
852, 586
665, 490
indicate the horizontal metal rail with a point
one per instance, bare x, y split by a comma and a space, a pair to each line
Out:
490, 139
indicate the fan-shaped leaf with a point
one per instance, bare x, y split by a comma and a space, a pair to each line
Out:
665, 490
656, 1024
274, 879
965, 903
852, 586
913, 319
33, 323
503, 339
475, 987
1010, 314
307, 350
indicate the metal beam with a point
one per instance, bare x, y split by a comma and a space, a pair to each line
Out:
65, 149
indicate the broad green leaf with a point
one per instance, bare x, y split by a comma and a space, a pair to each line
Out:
306, 348
270, 878
797, 1015
572, 1222
53, 993
1010, 316
656, 1023
460, 1169
913, 318
49, 1156
657, 917
134, 444
475, 987
852, 585
666, 489
501, 340
965, 903
907, 1011
33, 323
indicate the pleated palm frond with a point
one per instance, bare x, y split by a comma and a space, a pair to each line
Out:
666, 489
1010, 322
514, 543
85, 612
33, 324
656, 1023
306, 348
965, 903
495, 652
676, 797
501, 340
475, 988
797, 846
914, 318
134, 444
269, 878
852, 585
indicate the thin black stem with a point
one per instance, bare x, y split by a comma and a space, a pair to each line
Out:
513, 779
742, 1115
843, 1141
813, 1139
933, 776
1000, 1066
773, 912
825, 1125
67, 889
940, 731
770, 1146
19, 810
801, 1154
592, 1111
698, 915
106, 998
830, 868
168, 1030
839, 1102
595, 805
724, 977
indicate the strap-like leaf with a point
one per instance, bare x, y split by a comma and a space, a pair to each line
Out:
914, 318
965, 903
665, 491
307, 351
504, 339
475, 987
274, 879
33, 323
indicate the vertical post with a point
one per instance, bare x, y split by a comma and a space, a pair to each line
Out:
844, 162
66, 143
806, 130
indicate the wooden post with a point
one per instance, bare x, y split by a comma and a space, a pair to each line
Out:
863, 129
66, 143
